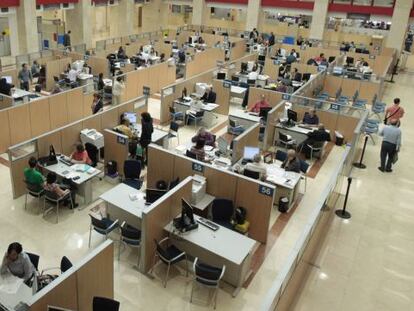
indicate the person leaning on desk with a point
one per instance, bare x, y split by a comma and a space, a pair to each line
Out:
18, 263
310, 118
206, 136
291, 163
209, 96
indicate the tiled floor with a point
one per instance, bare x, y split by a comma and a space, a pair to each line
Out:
366, 263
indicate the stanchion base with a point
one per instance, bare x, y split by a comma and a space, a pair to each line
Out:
359, 165
343, 214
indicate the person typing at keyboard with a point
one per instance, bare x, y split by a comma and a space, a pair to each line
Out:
310, 118
80, 155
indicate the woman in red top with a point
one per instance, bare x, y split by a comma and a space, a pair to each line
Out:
80, 155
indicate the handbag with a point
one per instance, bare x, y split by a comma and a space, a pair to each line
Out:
395, 158
389, 117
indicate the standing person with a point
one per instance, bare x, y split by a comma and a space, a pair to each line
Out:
101, 83
394, 112
25, 77
66, 40
146, 135
391, 144
97, 103
271, 39
35, 69
17, 262
117, 90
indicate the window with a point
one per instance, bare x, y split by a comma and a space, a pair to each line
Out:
386, 3
342, 1
362, 2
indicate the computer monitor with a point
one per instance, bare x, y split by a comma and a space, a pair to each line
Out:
250, 152
152, 195
9, 79
186, 212
264, 111
243, 67
261, 58
222, 145
221, 75
292, 115
349, 60
306, 76
232, 123
131, 117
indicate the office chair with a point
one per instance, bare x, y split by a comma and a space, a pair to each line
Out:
34, 259
377, 108
371, 128
35, 191
207, 276
129, 236
176, 116
316, 147
93, 153
190, 154
169, 255
198, 116
280, 155
107, 304
132, 172
284, 140
304, 166
103, 226
173, 183
53, 198
222, 211
251, 82
65, 264
251, 174
173, 132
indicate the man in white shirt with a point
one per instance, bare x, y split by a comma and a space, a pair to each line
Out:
72, 75
17, 262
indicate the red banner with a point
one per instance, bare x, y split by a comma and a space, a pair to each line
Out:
9, 3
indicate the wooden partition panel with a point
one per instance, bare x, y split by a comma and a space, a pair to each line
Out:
17, 174
110, 119
39, 116
350, 86
368, 90
99, 65
218, 183
332, 84
328, 119
346, 126
249, 138
223, 97
87, 102
44, 142
116, 149
5, 130
70, 137
160, 166
238, 50
93, 123
19, 120
272, 116
58, 110
255, 94
55, 68
96, 278
270, 68
204, 61
74, 99
64, 295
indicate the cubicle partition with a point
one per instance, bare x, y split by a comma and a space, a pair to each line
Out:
75, 288
63, 136
243, 191
255, 93
250, 137
238, 48
203, 61
99, 64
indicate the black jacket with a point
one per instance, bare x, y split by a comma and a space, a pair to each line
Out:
98, 106
318, 136
146, 134
210, 97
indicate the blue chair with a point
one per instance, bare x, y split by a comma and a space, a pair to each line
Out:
207, 276
176, 115
359, 103
103, 226
234, 128
132, 172
130, 236
318, 105
280, 155
377, 109
371, 128
222, 210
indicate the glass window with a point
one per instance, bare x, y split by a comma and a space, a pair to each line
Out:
362, 2
386, 3
342, 1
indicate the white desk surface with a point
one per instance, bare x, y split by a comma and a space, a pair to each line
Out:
204, 202
206, 107
84, 76
242, 114
64, 170
107, 82
295, 128
156, 136
119, 197
224, 242
237, 90
278, 176
13, 291
18, 93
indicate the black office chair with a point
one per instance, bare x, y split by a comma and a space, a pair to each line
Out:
107, 304
222, 211
53, 198
102, 226
132, 173
173, 132
169, 255
251, 174
304, 166
191, 155
284, 140
198, 116
207, 276
130, 236
35, 191
65, 264
173, 183
331, 59
306, 76
34, 259
281, 155
251, 82
93, 153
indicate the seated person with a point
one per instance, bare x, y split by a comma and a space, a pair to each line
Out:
80, 155
282, 71
97, 103
297, 75
59, 190
72, 75
292, 163
121, 53
5, 87
257, 166
35, 69
282, 87
262, 103
209, 96
310, 117
124, 129
205, 135
319, 135
32, 175
291, 58
321, 58
198, 150
17, 262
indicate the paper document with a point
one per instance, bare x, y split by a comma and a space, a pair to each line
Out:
10, 284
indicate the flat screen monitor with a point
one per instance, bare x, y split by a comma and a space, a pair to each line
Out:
264, 111
152, 195
9, 79
306, 76
187, 216
261, 58
243, 67
222, 145
221, 75
292, 115
131, 117
250, 152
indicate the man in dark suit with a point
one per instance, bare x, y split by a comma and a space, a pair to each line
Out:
209, 96
315, 138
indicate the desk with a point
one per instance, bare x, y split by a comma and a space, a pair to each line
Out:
157, 136
20, 94
13, 291
217, 248
84, 183
208, 109
243, 118
299, 134
120, 206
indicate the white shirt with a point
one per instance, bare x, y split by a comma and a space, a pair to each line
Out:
72, 75
117, 88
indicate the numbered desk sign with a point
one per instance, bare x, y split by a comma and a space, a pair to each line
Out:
265, 190
198, 167
121, 140
146, 91
286, 96
226, 84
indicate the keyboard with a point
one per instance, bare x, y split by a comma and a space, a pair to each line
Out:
305, 127
66, 161
207, 223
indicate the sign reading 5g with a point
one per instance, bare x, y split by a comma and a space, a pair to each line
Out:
198, 167
266, 190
